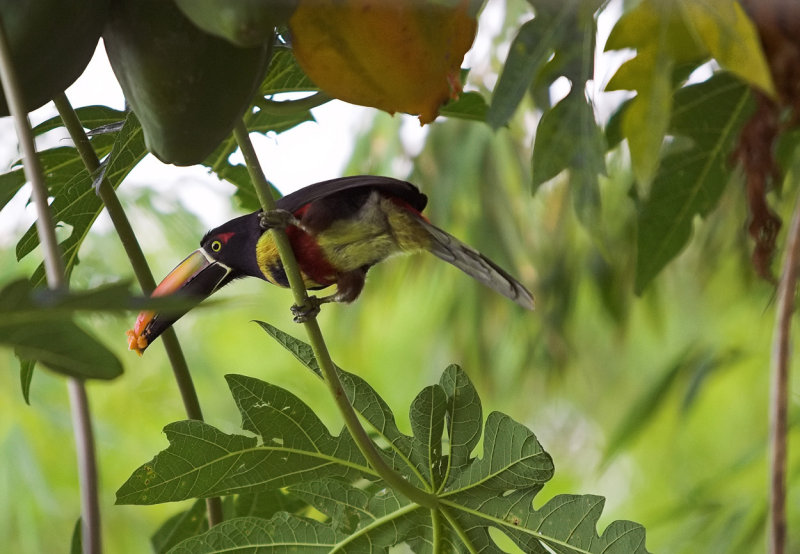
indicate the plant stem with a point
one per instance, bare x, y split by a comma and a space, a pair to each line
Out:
316, 340
56, 279
778, 405
436, 524
141, 269
285, 107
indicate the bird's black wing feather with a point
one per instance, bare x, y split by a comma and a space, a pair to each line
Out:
392, 187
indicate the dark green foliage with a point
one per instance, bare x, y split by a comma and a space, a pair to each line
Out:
293, 449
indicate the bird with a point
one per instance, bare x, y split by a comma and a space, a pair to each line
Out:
338, 229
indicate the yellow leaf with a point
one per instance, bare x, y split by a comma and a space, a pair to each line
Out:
399, 56
730, 36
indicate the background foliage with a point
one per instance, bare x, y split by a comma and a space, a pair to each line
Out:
643, 376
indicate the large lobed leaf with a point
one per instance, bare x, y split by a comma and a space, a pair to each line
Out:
292, 449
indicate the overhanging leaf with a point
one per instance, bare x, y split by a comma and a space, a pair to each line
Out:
75, 201
690, 181
53, 340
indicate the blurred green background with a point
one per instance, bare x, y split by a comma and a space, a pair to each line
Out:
658, 402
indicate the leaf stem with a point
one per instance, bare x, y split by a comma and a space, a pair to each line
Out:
459, 530
436, 523
286, 107
141, 269
56, 279
778, 405
316, 340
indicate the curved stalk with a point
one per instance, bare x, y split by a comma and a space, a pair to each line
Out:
284, 107
140, 268
779, 393
56, 279
316, 340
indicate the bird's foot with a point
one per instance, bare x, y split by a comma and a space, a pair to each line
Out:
307, 312
277, 219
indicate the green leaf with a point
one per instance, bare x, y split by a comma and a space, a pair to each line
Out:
470, 105
568, 137
731, 38
658, 31
201, 461
25, 376
10, 183
495, 491
282, 533
179, 527
76, 544
51, 339
530, 50
75, 201
690, 181
91, 117
285, 75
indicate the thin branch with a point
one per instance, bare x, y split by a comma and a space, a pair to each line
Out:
316, 340
56, 279
779, 393
141, 269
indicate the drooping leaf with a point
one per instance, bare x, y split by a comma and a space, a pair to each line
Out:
25, 376
690, 181
495, 491
179, 527
75, 201
558, 41
568, 137
52, 339
91, 117
731, 38
470, 105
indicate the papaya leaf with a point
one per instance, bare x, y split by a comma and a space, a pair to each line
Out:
201, 461
91, 117
75, 201
285, 75
530, 50
470, 105
568, 137
180, 527
475, 494
52, 339
10, 183
731, 38
690, 181
192, 522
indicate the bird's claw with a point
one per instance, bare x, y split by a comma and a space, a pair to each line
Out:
277, 219
309, 311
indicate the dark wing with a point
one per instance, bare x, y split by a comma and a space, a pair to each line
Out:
389, 186
448, 248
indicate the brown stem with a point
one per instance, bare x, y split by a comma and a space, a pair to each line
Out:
778, 406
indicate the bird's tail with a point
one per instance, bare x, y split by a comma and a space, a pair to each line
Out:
448, 248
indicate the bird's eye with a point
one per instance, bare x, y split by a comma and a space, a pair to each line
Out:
216, 246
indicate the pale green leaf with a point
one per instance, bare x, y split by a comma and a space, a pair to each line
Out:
731, 38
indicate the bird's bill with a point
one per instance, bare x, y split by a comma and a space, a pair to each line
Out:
196, 277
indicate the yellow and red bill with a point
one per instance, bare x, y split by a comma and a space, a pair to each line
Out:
196, 277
